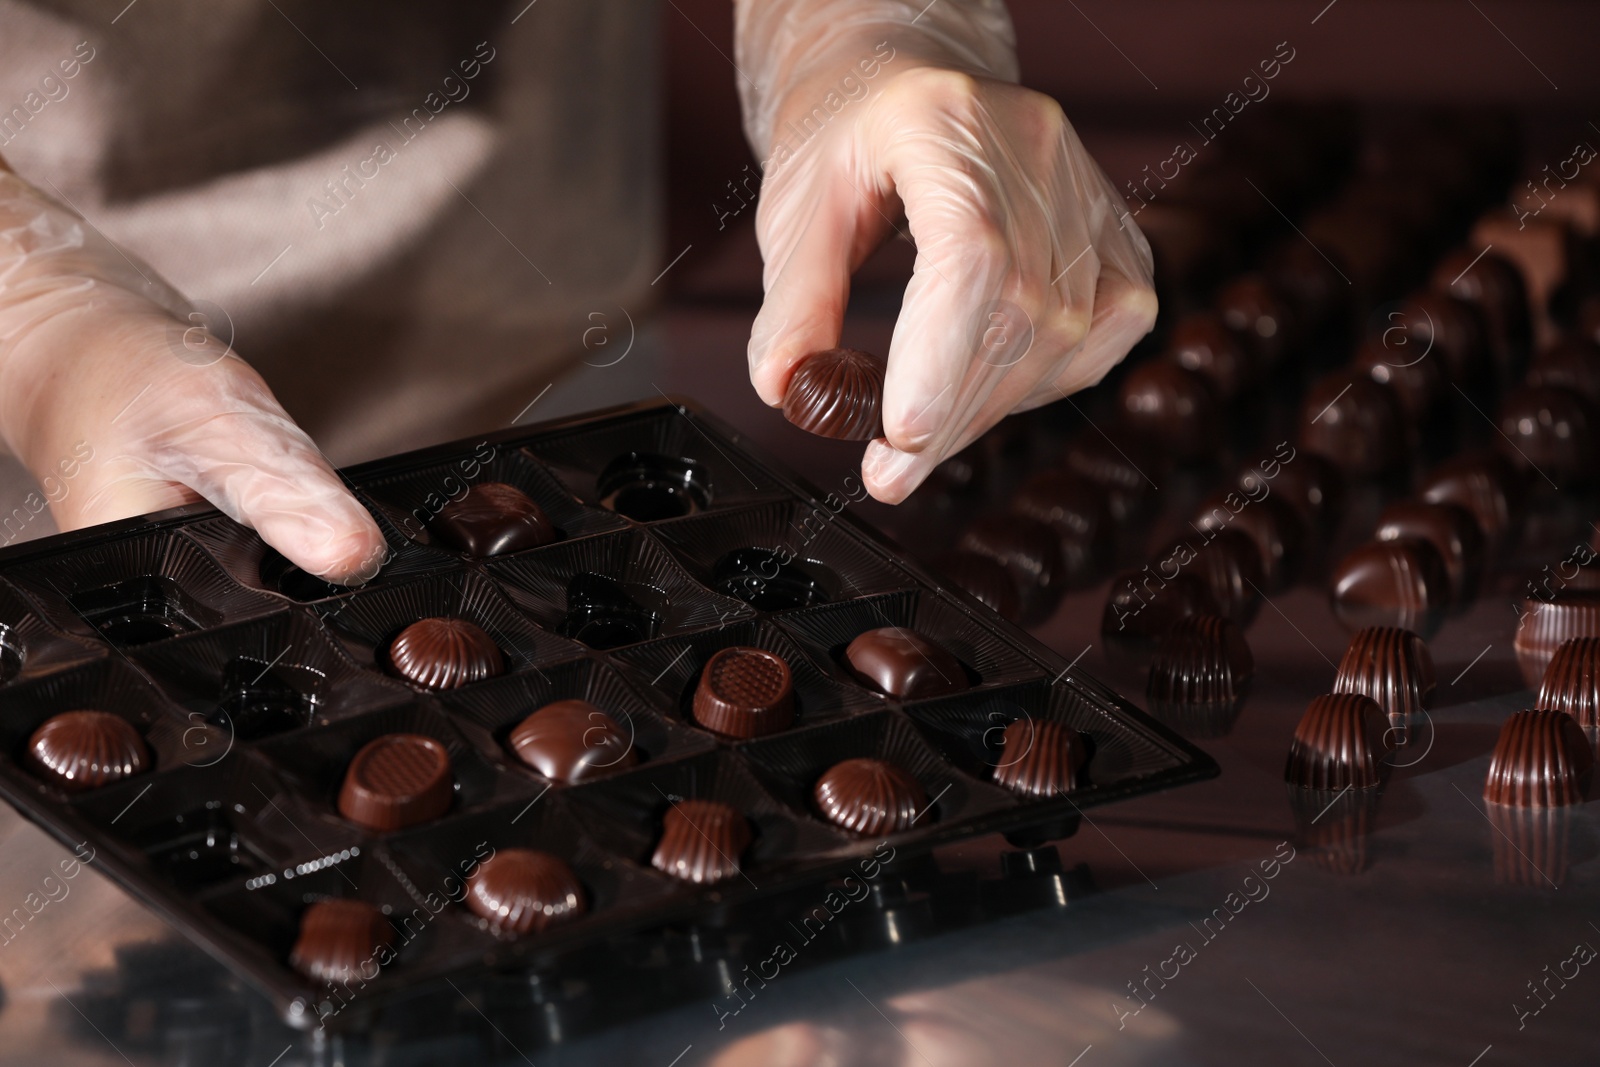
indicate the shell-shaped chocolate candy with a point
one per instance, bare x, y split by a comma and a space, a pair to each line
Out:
339, 940
868, 796
903, 663
572, 741
1392, 666
521, 891
1391, 583
1541, 760
1203, 663
745, 692
395, 781
1039, 758
445, 653
837, 392
701, 841
492, 519
81, 750
1339, 742
1549, 623
1572, 681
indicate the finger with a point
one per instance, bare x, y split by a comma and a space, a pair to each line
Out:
1124, 311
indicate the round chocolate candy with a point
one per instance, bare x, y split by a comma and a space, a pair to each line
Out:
1201, 342
1120, 462
1040, 758
493, 519
572, 741
1486, 485
1355, 423
1391, 583
982, 578
871, 797
905, 664
1445, 329
523, 891
1030, 551
1571, 681
1573, 363
701, 841
395, 781
1260, 318
837, 393
1452, 530
1339, 742
1078, 511
1547, 623
445, 653
1305, 481
1417, 380
1548, 432
745, 692
1203, 664
1541, 760
1493, 284
1390, 665
1175, 406
1142, 606
1278, 532
341, 939
81, 750
1230, 565
1315, 288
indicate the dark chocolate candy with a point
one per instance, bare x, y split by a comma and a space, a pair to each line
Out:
1493, 284
1274, 526
445, 653
983, 578
339, 939
1340, 742
905, 664
745, 692
1030, 551
1400, 583
1547, 623
80, 750
1229, 563
1549, 432
1486, 485
1079, 511
870, 797
837, 393
1122, 463
1444, 329
1260, 317
493, 519
1201, 342
1142, 606
701, 841
1573, 363
1417, 380
1452, 530
1355, 423
1390, 665
572, 741
1307, 482
395, 781
1541, 760
1204, 663
1175, 406
1571, 681
1039, 758
523, 891
1316, 289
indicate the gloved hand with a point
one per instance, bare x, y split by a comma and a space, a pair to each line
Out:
94, 361
1031, 282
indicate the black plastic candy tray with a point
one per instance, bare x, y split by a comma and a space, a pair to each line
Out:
236, 829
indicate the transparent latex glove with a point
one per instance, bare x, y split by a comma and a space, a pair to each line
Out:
119, 407
1031, 282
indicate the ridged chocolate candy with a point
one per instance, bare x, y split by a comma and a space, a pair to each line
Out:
1039, 758
1391, 583
80, 750
1122, 463
1203, 663
837, 393
1571, 682
986, 580
1486, 485
1541, 760
870, 797
1277, 530
701, 841
340, 941
1549, 432
572, 741
903, 663
1230, 565
1392, 666
1452, 530
523, 891
1172, 405
1080, 514
1355, 423
493, 519
445, 653
1030, 551
1547, 623
395, 781
1339, 742
745, 692
1142, 606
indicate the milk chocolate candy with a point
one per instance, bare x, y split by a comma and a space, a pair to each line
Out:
341, 939
1573, 363
1030, 552
1307, 482
82, 750
745, 692
701, 841
1490, 282
1356, 424
1040, 758
1229, 564
1201, 342
1340, 742
837, 393
1571, 682
1203, 664
1142, 606
1174, 406
1278, 533
523, 891
493, 519
1260, 317
870, 797
395, 781
983, 578
1391, 583
572, 741
1390, 665
1541, 760
1485, 484
445, 653
1548, 432
1452, 530
1547, 623
905, 664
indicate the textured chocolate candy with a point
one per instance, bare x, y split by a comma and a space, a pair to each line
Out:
1391, 583
987, 581
1547, 623
1493, 284
1201, 342
1030, 551
837, 393
871, 797
1486, 485
905, 664
1039, 758
1278, 532
1078, 511
1355, 423
523, 891
572, 741
1121, 462
1340, 741
1572, 363
1541, 760
745, 692
445, 653
339, 940
1260, 317
1452, 530
1571, 682
1548, 432
1142, 606
1229, 563
1204, 663
493, 519
395, 781
79, 750
1390, 665
701, 841
1307, 482
1172, 405
1417, 380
